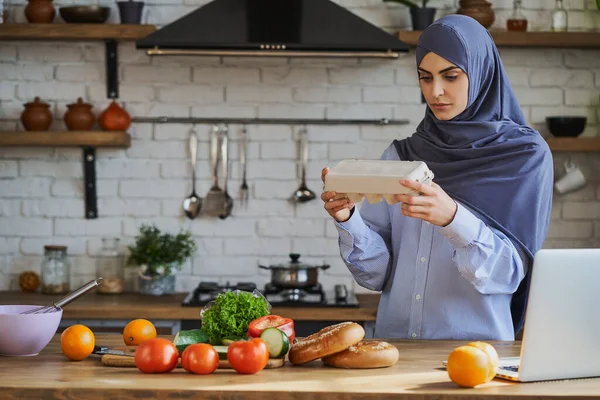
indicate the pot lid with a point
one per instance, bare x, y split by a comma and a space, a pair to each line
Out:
37, 102
295, 263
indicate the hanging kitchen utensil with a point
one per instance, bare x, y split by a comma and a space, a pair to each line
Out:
212, 204
294, 274
303, 193
227, 200
193, 204
243, 193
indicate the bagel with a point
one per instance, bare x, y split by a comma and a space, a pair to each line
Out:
329, 340
367, 354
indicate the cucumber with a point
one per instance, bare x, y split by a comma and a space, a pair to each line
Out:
228, 341
184, 338
277, 342
222, 352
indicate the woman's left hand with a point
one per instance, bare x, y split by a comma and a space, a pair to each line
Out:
433, 205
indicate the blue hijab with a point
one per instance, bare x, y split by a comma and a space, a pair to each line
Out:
487, 157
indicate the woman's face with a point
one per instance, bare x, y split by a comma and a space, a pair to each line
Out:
444, 85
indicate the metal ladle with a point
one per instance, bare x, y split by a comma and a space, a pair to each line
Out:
303, 193
193, 204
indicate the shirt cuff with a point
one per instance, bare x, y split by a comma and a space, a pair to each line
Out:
350, 229
463, 229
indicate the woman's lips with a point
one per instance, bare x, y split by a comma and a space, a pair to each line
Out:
440, 106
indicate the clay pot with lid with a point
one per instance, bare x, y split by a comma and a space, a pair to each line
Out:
480, 10
40, 11
114, 118
36, 116
79, 116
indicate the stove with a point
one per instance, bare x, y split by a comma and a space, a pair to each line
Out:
313, 296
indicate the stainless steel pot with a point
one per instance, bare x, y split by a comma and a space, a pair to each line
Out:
295, 274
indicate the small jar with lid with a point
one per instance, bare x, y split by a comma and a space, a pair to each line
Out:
517, 21
56, 270
109, 266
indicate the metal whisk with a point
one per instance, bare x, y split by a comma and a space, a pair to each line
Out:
91, 285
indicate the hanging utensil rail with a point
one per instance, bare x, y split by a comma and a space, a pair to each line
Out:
269, 121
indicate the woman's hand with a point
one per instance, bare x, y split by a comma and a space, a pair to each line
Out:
339, 209
433, 205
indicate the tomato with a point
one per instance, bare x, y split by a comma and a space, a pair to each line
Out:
156, 356
200, 358
286, 325
248, 356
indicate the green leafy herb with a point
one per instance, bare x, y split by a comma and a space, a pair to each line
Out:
231, 314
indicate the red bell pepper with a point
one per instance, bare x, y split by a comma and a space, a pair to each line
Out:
286, 325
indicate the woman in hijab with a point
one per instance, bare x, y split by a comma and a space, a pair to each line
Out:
454, 262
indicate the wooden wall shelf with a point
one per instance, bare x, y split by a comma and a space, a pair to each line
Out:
591, 144
74, 31
66, 139
584, 40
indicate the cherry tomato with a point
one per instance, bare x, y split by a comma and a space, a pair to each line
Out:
156, 356
248, 356
286, 325
200, 358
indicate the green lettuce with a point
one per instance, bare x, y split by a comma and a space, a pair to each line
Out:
231, 314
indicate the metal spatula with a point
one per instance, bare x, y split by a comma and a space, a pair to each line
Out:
213, 201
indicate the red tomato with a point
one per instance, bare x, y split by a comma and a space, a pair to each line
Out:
200, 358
286, 325
156, 356
248, 356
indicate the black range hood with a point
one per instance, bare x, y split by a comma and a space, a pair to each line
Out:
285, 28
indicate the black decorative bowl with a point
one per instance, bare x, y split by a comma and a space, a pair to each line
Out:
566, 126
84, 14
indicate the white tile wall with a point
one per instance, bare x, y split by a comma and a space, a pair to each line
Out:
41, 190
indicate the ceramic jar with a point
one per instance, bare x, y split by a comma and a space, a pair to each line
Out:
36, 116
79, 116
114, 118
40, 11
480, 10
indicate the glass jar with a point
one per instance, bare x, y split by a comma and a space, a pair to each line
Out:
559, 17
109, 266
56, 270
517, 21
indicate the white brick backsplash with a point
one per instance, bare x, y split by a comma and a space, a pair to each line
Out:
582, 58
53, 208
267, 189
8, 53
581, 210
25, 227
231, 111
24, 187
562, 78
413, 113
286, 227
362, 111
260, 246
355, 76
209, 246
570, 230
20, 263
127, 169
80, 73
149, 74
387, 133
7, 90
50, 91
393, 94
582, 97
153, 188
539, 114
225, 266
274, 169
191, 94
229, 227
9, 245
407, 75
8, 169
315, 247
50, 52
35, 247
226, 75
330, 229
257, 94
110, 207
89, 227
74, 188
539, 96
10, 208
278, 150
294, 76
291, 111
532, 58
63, 169
151, 149
132, 226
127, 93
327, 95
25, 72
312, 209
518, 76
356, 150
10, 110
265, 207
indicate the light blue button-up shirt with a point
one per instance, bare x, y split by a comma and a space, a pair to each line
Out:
453, 282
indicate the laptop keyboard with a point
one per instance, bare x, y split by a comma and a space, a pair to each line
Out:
513, 368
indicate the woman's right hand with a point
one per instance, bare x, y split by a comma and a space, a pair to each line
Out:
339, 209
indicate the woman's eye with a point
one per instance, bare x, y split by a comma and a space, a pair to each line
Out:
425, 78
451, 77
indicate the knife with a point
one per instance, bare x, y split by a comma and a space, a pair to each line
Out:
105, 350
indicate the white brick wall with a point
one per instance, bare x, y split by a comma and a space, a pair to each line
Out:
41, 190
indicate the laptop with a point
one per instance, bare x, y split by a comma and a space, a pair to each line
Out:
561, 335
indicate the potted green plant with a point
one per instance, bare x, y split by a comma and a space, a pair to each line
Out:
421, 16
157, 256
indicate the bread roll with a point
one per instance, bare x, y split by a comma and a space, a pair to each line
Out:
329, 340
367, 354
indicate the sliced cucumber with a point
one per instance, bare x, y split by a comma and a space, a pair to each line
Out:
228, 341
222, 351
184, 338
277, 342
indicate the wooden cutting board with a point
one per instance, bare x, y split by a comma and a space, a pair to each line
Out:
110, 360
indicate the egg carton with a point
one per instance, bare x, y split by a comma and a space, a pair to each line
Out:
375, 179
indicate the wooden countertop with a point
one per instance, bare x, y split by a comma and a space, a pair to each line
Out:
417, 375
133, 305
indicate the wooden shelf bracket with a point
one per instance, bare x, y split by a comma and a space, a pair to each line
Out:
89, 177
112, 69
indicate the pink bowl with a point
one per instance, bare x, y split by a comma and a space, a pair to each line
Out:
26, 335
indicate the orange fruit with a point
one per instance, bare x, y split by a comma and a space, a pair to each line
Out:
473, 364
77, 342
138, 331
